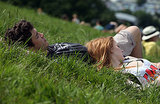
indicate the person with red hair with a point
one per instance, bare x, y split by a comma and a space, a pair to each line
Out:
105, 52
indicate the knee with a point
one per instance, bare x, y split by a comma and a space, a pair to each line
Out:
136, 32
136, 29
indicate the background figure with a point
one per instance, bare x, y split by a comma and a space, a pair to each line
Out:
119, 28
84, 23
39, 11
75, 19
150, 37
113, 27
98, 25
65, 17
110, 27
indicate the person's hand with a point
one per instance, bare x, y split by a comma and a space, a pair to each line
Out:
157, 81
158, 65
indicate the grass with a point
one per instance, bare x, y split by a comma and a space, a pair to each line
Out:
34, 79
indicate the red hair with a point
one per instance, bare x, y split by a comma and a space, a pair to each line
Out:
100, 50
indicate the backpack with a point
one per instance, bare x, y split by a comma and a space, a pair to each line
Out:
68, 49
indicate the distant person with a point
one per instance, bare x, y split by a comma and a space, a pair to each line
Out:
150, 37
39, 11
98, 25
119, 28
65, 17
84, 23
75, 19
112, 25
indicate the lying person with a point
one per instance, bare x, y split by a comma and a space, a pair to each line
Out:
106, 53
24, 32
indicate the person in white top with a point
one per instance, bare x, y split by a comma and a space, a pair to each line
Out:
75, 19
106, 53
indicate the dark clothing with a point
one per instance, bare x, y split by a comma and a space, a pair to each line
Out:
67, 49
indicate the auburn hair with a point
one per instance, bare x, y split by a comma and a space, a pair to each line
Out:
100, 50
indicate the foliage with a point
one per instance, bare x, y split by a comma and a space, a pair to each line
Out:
146, 19
30, 78
87, 11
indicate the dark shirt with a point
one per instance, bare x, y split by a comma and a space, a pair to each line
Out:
68, 49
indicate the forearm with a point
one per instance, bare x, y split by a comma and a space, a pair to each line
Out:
157, 64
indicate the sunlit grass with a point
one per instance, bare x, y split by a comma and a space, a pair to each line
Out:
29, 78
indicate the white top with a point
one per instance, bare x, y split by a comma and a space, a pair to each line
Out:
145, 73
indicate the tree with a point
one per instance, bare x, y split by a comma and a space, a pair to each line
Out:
146, 19
86, 10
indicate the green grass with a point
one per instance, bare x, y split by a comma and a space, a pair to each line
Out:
34, 79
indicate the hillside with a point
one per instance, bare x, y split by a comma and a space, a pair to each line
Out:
31, 78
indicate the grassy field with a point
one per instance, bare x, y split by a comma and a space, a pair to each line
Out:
34, 79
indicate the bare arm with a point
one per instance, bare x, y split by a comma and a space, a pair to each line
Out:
157, 64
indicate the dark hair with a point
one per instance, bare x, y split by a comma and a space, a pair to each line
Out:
20, 33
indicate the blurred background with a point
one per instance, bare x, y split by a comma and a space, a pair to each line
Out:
129, 12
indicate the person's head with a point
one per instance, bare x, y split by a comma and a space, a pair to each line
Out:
74, 15
24, 33
112, 25
65, 17
102, 50
150, 33
98, 22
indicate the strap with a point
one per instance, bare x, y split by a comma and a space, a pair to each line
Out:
150, 33
128, 60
